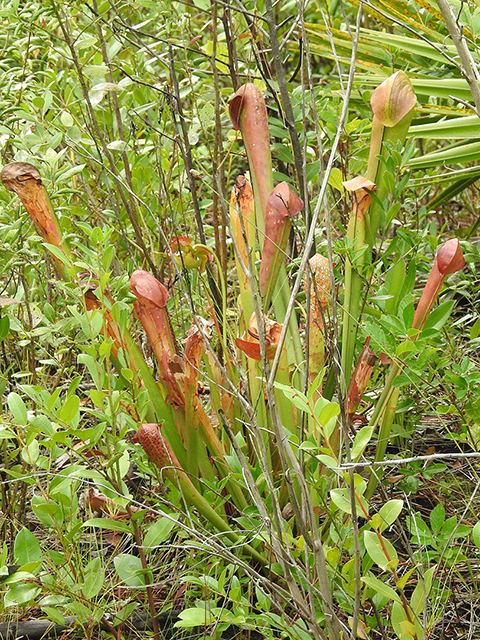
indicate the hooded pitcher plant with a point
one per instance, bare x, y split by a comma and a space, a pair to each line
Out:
248, 114
282, 205
354, 278
25, 180
179, 378
393, 104
319, 293
150, 307
449, 259
242, 221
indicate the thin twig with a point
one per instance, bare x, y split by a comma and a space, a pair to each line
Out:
399, 461
285, 94
469, 68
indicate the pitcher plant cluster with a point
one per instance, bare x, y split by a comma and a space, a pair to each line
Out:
278, 424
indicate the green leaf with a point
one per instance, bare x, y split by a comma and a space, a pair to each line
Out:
21, 593
297, 398
331, 410
66, 119
58, 253
419, 530
475, 330
94, 578
26, 548
341, 499
157, 533
49, 513
31, 453
381, 552
439, 316
107, 523
17, 408
476, 534
398, 618
389, 513
380, 587
404, 579
437, 518
456, 154
69, 412
129, 569
328, 461
125, 613
195, 617
361, 440
4, 327
335, 179
73, 171
451, 129
54, 615
396, 280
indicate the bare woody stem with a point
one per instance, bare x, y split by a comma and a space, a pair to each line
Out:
469, 68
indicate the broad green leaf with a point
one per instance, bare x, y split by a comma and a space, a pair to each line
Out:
43, 424
47, 512
66, 119
54, 615
21, 594
297, 398
381, 552
439, 316
404, 579
69, 413
125, 613
58, 253
399, 618
73, 171
437, 518
341, 499
419, 530
328, 461
361, 440
389, 513
475, 330
94, 578
335, 179
117, 145
380, 587
26, 547
129, 569
107, 523
17, 408
326, 413
331, 410
396, 279
476, 534
4, 327
195, 617
157, 533
417, 601
31, 452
